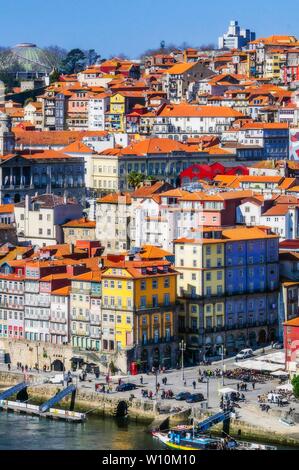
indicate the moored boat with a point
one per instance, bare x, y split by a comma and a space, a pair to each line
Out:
185, 438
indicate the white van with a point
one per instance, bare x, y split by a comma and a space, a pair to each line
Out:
57, 379
244, 354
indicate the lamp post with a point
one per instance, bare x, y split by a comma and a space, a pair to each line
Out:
182, 349
37, 359
222, 353
208, 391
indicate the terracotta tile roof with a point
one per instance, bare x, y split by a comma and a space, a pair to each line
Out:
148, 191
233, 234
47, 201
153, 252
81, 223
6, 208
64, 291
266, 125
78, 147
154, 146
179, 193
188, 110
276, 211
287, 183
49, 138
115, 198
91, 275
179, 68
261, 179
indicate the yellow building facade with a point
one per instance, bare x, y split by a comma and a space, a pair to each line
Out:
142, 297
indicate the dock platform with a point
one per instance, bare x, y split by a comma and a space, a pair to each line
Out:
34, 410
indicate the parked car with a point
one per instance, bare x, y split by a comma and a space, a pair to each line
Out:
244, 354
125, 387
278, 345
182, 396
195, 398
57, 379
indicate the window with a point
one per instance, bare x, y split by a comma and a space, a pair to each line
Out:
166, 299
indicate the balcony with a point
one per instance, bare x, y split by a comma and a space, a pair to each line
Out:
78, 332
13, 306
84, 318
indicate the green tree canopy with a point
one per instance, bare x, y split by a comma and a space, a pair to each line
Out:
74, 61
135, 179
295, 383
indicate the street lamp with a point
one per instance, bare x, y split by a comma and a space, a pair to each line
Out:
222, 353
208, 391
182, 349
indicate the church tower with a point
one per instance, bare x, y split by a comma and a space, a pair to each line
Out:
7, 138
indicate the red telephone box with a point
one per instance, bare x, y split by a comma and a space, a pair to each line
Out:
133, 368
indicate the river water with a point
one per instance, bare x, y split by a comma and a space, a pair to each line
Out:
28, 433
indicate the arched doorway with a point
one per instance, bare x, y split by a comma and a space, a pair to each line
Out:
144, 360
230, 344
262, 337
252, 339
240, 342
219, 344
167, 357
57, 365
272, 335
208, 347
156, 357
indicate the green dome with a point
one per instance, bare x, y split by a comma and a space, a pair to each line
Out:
31, 58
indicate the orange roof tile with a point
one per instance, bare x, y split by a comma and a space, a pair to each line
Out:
78, 147
188, 110
81, 223
115, 198
6, 208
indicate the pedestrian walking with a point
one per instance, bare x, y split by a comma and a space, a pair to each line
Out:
238, 387
185, 383
141, 380
253, 385
8, 366
194, 384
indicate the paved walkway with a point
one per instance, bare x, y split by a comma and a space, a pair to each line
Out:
249, 411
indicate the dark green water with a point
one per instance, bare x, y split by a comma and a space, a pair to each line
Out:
21, 432
27, 432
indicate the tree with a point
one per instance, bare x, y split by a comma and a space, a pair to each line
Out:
92, 57
295, 383
135, 179
55, 55
54, 76
74, 61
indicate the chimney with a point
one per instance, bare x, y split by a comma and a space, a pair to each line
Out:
27, 202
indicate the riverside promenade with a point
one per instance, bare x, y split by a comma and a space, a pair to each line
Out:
251, 421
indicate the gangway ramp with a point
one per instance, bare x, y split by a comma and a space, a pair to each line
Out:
213, 420
12, 390
58, 397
